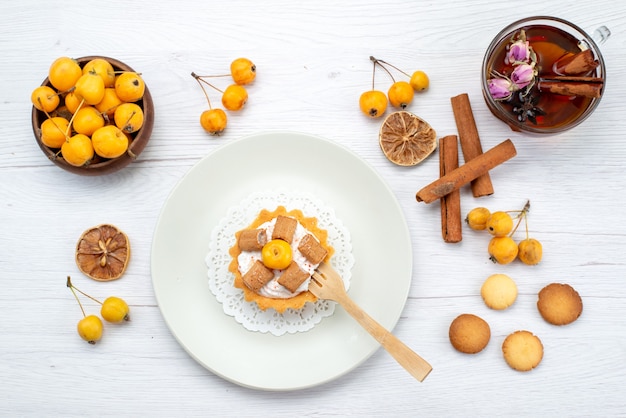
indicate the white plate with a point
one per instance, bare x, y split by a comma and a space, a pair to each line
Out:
381, 246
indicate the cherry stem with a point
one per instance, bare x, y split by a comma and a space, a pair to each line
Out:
210, 76
526, 224
72, 287
127, 125
394, 67
209, 84
381, 62
522, 214
53, 122
58, 127
71, 89
69, 284
67, 131
199, 80
41, 104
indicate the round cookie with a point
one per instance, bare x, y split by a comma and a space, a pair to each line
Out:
469, 333
499, 291
522, 350
559, 304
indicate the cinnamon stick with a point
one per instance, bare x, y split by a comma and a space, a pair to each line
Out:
578, 78
579, 63
470, 141
467, 172
451, 226
572, 88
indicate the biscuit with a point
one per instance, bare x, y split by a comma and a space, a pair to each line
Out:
499, 291
311, 249
257, 276
252, 239
469, 333
293, 277
522, 350
559, 304
284, 228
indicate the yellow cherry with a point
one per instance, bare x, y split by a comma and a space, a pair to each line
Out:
277, 254
128, 117
243, 71
502, 250
109, 142
44, 98
63, 73
400, 94
103, 68
87, 120
90, 329
530, 251
234, 97
373, 103
109, 102
213, 121
499, 224
129, 87
90, 88
477, 218
54, 131
419, 81
73, 102
114, 310
77, 150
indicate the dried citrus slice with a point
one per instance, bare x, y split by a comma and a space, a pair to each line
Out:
406, 139
103, 252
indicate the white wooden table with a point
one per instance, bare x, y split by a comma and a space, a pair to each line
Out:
312, 60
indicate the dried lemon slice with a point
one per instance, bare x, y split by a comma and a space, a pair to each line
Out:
406, 139
103, 252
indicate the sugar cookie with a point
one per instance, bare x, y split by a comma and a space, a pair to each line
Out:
522, 350
469, 333
499, 291
559, 304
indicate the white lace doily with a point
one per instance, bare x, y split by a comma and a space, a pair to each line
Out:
221, 280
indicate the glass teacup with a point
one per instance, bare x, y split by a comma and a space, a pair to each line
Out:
543, 75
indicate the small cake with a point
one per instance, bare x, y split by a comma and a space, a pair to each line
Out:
559, 304
522, 350
498, 291
469, 333
275, 256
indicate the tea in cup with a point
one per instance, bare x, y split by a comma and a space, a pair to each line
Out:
543, 75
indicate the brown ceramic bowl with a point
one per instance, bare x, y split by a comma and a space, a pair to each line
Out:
99, 166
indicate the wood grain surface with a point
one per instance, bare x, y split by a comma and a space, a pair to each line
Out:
313, 63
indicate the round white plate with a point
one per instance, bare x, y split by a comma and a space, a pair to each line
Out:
381, 246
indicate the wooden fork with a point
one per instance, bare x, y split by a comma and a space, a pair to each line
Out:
326, 283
